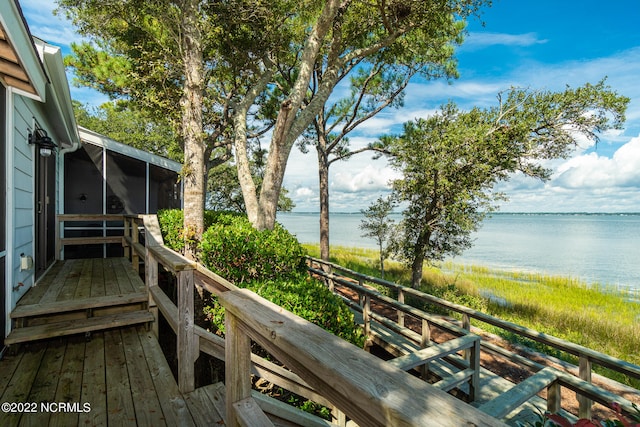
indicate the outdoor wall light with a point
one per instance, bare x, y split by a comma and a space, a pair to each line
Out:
40, 138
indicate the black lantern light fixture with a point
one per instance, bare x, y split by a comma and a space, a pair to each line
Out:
40, 138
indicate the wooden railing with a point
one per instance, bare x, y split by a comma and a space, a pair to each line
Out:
62, 240
320, 366
335, 274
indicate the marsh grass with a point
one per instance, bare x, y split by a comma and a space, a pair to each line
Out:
600, 317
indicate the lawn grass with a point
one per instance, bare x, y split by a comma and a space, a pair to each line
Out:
599, 317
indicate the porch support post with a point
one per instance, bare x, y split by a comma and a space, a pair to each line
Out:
187, 348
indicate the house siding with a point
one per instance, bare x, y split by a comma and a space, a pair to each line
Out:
22, 231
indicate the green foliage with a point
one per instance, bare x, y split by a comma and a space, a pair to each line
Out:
304, 297
232, 248
451, 161
269, 262
172, 225
377, 225
121, 122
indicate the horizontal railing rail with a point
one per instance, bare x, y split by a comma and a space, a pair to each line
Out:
336, 274
62, 240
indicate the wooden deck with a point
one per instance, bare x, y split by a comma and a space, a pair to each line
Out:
80, 296
118, 377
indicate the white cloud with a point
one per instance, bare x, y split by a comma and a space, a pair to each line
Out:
304, 192
55, 29
368, 179
594, 171
486, 39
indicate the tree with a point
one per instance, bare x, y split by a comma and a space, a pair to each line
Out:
234, 65
129, 126
342, 36
373, 89
224, 192
451, 161
379, 227
159, 45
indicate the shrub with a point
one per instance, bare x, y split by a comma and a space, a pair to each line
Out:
232, 248
172, 221
305, 297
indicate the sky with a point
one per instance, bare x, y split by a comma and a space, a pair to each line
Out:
540, 45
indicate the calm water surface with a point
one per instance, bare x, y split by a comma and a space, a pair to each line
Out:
596, 248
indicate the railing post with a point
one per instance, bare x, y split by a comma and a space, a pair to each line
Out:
135, 259
127, 233
466, 325
400, 312
366, 319
237, 351
59, 234
186, 339
554, 398
151, 279
425, 341
584, 372
474, 363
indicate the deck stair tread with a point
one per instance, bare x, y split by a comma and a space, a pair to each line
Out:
57, 307
77, 326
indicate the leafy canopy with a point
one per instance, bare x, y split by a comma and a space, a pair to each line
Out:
451, 161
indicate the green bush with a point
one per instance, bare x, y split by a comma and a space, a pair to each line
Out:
270, 263
235, 250
305, 297
172, 221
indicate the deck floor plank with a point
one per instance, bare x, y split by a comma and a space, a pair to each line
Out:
45, 384
20, 383
145, 400
173, 403
120, 409
124, 283
63, 290
203, 408
94, 389
70, 382
55, 275
97, 279
83, 289
110, 282
10, 362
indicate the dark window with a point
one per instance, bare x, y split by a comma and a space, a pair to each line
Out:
83, 181
164, 190
126, 185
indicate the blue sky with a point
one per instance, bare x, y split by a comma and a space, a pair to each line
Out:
542, 44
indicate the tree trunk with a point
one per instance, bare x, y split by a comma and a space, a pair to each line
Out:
191, 104
416, 270
323, 178
244, 168
283, 137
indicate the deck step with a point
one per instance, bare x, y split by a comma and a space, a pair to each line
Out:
78, 326
58, 307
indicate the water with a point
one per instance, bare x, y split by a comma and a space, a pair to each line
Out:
595, 248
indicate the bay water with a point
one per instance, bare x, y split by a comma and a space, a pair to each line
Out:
595, 248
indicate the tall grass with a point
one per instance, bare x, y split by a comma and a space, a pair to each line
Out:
599, 317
